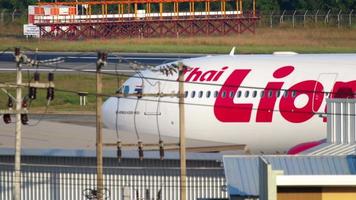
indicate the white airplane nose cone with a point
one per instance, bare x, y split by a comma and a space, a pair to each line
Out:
109, 112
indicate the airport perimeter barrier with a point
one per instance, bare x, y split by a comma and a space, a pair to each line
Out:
57, 182
272, 19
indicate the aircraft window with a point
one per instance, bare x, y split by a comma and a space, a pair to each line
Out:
294, 93
126, 89
208, 93
270, 93
216, 93
254, 94
200, 94
262, 93
285, 95
193, 94
223, 94
239, 94
278, 94
185, 94
247, 93
231, 94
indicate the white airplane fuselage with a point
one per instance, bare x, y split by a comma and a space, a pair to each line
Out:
268, 102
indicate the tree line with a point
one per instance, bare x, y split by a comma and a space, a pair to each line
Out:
263, 5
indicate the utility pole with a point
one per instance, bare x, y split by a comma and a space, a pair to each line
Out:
17, 178
99, 125
182, 147
21, 111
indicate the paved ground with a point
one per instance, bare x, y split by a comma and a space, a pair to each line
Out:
86, 61
56, 135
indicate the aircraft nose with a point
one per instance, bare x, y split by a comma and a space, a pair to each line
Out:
109, 112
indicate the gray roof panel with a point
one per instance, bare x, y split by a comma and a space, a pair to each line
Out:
242, 172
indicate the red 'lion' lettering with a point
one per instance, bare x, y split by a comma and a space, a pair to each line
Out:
225, 109
340, 89
268, 101
315, 98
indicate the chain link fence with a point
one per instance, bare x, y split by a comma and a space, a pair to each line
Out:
308, 18
292, 18
12, 16
272, 19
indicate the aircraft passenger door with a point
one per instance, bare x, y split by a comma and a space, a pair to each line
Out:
328, 81
152, 103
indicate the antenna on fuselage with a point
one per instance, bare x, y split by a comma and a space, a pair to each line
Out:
232, 52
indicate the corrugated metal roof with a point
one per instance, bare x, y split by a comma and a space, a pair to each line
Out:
109, 154
242, 172
341, 126
332, 149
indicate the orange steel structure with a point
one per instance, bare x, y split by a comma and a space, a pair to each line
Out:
156, 18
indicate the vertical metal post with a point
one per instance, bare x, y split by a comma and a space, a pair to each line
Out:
316, 17
2, 16
13, 15
350, 18
254, 8
293, 19
241, 9
99, 134
182, 148
271, 19
326, 21
17, 178
339, 19
305, 18
281, 19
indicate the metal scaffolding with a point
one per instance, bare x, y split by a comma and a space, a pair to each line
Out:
146, 18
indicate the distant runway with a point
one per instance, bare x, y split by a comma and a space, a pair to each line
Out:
75, 132
86, 61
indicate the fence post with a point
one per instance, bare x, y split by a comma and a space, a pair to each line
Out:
294, 18
316, 16
305, 17
326, 21
281, 20
271, 19
350, 18
338, 19
13, 15
2, 15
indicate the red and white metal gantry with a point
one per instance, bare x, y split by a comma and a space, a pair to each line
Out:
82, 19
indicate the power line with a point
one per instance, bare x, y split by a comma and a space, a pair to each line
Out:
140, 76
202, 105
170, 80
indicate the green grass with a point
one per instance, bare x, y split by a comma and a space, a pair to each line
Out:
266, 40
63, 101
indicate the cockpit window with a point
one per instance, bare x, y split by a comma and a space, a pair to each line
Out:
126, 89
